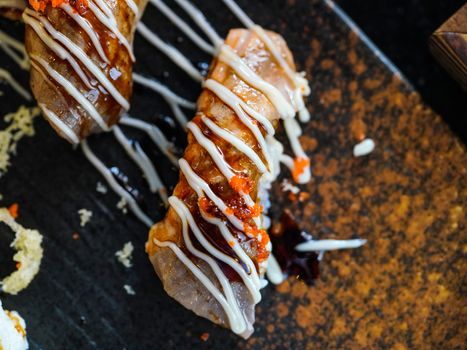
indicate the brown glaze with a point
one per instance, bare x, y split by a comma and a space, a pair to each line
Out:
56, 99
249, 47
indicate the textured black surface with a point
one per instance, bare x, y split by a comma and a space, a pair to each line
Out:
78, 301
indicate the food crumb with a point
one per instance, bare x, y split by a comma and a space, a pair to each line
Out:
75, 236
84, 216
29, 253
124, 255
204, 336
100, 187
122, 205
129, 289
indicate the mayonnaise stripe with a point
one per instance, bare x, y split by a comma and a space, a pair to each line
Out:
236, 142
200, 186
71, 90
198, 17
183, 211
89, 30
171, 52
35, 24
5, 75
105, 172
155, 134
83, 58
59, 124
196, 271
229, 57
183, 26
104, 14
143, 162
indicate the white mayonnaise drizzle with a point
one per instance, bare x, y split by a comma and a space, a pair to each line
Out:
274, 271
201, 187
65, 130
155, 134
329, 244
70, 89
107, 174
301, 84
15, 50
272, 150
7, 77
175, 102
198, 17
171, 52
227, 300
133, 7
229, 57
364, 148
87, 27
104, 14
184, 27
77, 52
136, 153
31, 19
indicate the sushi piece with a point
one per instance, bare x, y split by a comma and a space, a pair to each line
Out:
211, 250
81, 61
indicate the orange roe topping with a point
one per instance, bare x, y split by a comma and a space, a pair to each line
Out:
229, 211
254, 231
18, 265
204, 336
79, 5
299, 166
240, 184
256, 210
231, 243
13, 210
204, 205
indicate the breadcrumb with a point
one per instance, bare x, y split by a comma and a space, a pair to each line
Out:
101, 188
124, 256
129, 289
20, 125
122, 205
28, 244
85, 216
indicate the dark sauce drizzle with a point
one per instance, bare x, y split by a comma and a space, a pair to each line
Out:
285, 235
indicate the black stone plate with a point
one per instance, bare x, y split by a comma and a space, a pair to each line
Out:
77, 301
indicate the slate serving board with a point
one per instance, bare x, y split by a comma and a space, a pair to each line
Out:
404, 289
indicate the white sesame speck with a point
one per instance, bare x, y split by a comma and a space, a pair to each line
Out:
124, 256
100, 187
85, 216
129, 289
363, 148
122, 205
